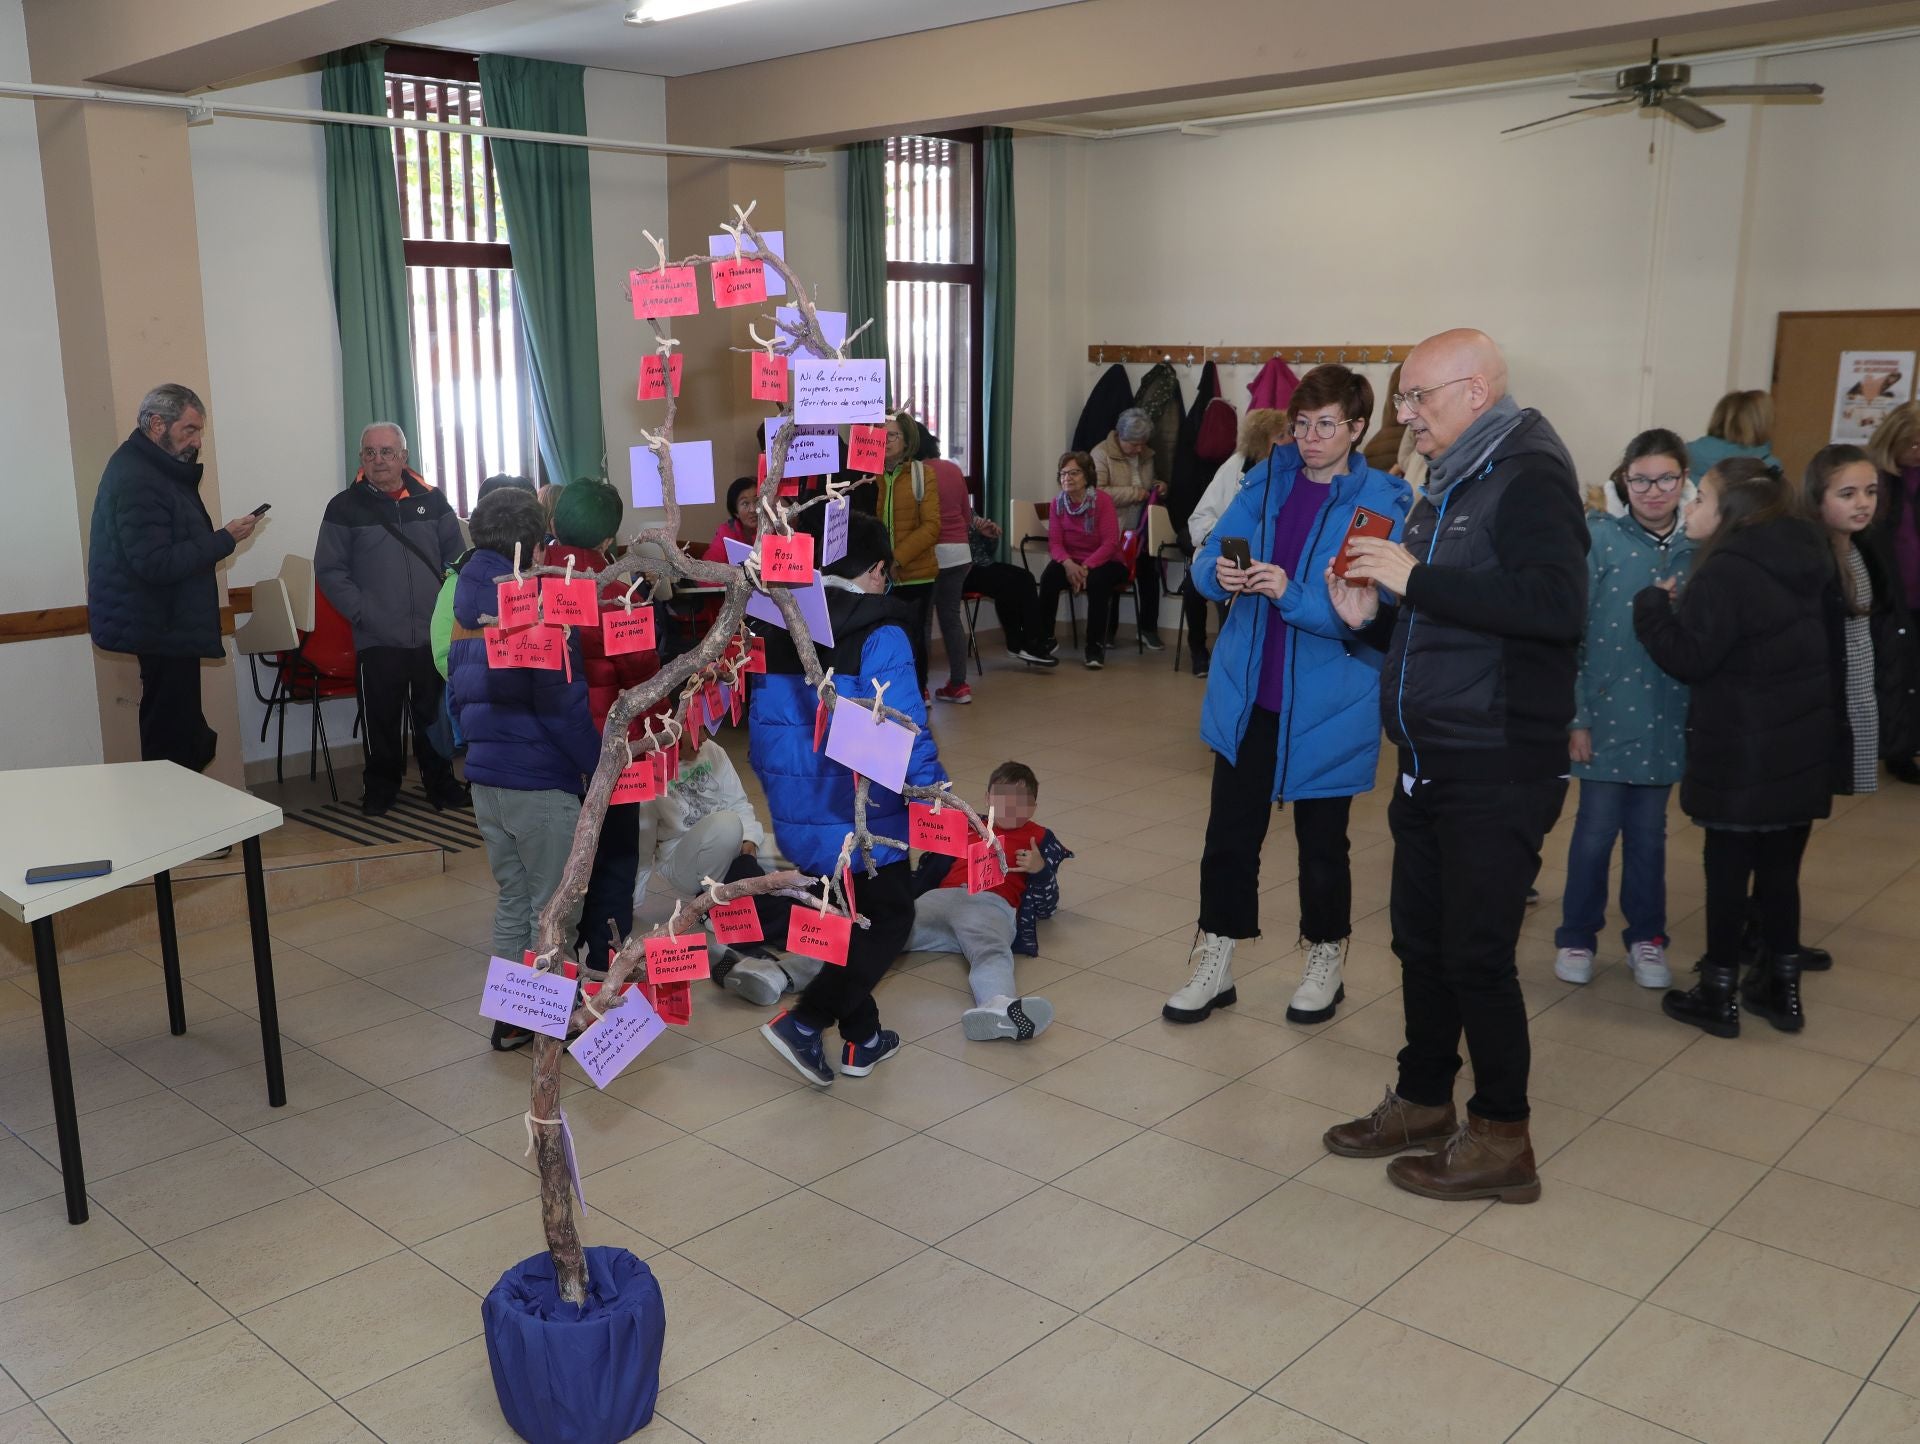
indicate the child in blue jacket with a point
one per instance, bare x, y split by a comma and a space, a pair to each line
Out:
810, 797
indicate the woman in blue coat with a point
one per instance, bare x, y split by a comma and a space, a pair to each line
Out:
1292, 711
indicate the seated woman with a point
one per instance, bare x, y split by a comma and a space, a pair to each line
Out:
743, 519
1083, 537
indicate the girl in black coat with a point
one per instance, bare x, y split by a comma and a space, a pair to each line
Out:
1751, 637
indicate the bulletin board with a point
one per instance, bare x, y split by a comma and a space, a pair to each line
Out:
1807, 352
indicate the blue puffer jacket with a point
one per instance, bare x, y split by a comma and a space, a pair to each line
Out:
810, 796
1637, 713
1330, 720
526, 729
150, 557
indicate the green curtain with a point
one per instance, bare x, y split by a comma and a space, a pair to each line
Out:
997, 344
550, 228
369, 267
867, 246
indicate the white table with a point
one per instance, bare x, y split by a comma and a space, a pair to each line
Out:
145, 818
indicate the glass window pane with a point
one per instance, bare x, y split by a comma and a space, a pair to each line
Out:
929, 200
930, 341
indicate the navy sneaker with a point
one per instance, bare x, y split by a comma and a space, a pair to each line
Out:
857, 1059
804, 1050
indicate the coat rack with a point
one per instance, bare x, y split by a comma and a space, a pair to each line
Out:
1346, 353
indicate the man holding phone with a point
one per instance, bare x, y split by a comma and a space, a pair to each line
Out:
1481, 608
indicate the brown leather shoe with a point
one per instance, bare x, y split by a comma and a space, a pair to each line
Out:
1395, 1125
1483, 1159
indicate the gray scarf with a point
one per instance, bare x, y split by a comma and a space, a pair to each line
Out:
1472, 447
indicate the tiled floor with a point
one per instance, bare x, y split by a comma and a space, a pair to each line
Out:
1125, 1230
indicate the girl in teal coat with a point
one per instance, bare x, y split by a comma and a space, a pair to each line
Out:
1627, 740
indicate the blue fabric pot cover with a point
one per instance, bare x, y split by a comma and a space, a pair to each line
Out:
568, 1375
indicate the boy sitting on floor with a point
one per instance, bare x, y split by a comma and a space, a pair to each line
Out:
988, 928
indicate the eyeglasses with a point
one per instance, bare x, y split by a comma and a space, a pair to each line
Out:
1416, 397
1667, 481
1324, 427
379, 453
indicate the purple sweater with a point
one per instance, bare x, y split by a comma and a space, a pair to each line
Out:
1290, 532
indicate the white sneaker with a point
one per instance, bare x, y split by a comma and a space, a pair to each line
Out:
1575, 965
1649, 963
1015, 1018
1320, 989
1210, 986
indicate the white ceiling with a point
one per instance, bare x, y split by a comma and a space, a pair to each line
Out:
594, 32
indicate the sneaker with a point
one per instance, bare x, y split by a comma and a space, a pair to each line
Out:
804, 1050
1015, 1018
1575, 965
1211, 985
753, 980
962, 694
1202, 663
1533, 897
1320, 990
859, 1059
1649, 963
1096, 657
1034, 657
506, 1037
1151, 641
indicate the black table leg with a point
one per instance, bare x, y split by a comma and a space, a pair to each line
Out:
263, 973
66, 1122
170, 953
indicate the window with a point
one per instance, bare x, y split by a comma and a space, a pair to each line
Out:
935, 214
470, 371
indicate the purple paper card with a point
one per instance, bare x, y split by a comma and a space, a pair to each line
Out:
775, 241
814, 450
833, 324
692, 474
811, 599
527, 998
573, 1163
833, 535
838, 393
617, 1039
873, 749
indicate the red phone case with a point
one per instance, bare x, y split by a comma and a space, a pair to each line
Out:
1365, 523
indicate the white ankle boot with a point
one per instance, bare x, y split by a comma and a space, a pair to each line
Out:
1320, 990
1211, 984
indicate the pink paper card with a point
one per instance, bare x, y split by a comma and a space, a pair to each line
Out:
814, 934
769, 376
867, 449
677, 960
672, 1001
739, 283
617, 1039
983, 868
736, 922
757, 655
821, 716
525, 998
575, 602
542, 648
499, 647
789, 488
733, 703
774, 242
658, 759
672, 754
811, 599
787, 560
671, 292
760, 471
846, 884
518, 603
946, 832
654, 377
627, 630
636, 783
877, 749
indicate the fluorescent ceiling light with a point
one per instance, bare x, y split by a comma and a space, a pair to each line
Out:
648, 12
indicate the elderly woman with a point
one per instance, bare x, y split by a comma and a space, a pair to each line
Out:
1123, 471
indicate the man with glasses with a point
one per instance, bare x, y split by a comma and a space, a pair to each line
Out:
1481, 607
385, 545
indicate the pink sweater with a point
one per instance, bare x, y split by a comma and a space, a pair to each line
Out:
1092, 538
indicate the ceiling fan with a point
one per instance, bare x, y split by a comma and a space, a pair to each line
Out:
1661, 85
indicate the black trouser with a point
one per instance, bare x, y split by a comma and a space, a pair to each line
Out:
616, 868
1146, 598
1237, 826
1771, 861
919, 599
845, 995
1101, 581
1464, 854
172, 726
1016, 601
772, 910
397, 682
1193, 607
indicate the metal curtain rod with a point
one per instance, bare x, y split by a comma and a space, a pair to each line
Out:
1354, 353
202, 108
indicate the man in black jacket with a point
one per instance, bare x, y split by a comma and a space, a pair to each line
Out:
150, 584
1482, 624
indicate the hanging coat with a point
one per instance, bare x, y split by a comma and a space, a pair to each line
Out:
1159, 396
1273, 388
1190, 474
1111, 395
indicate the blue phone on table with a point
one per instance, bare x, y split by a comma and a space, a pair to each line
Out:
67, 871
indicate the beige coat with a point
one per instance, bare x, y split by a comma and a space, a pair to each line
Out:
1125, 479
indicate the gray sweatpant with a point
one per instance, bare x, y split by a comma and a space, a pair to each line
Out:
978, 926
528, 836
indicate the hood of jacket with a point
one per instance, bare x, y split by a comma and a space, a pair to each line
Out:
1791, 551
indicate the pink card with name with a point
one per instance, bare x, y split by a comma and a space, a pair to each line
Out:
946, 832
575, 602
736, 922
518, 603
867, 449
654, 377
499, 647
637, 782
769, 377
623, 630
814, 934
677, 960
670, 292
787, 560
739, 283
543, 648
983, 868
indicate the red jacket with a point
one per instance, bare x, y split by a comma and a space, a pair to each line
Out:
607, 677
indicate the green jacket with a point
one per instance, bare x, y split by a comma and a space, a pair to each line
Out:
1637, 713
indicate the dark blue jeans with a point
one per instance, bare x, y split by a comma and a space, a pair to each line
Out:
1638, 817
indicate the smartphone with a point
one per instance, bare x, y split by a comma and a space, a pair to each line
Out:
1234, 550
263, 508
1365, 523
66, 871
